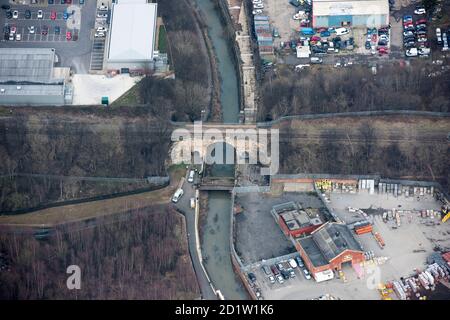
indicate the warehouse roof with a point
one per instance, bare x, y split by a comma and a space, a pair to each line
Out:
31, 90
327, 242
352, 7
133, 28
27, 65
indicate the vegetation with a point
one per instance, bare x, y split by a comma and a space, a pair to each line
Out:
329, 90
144, 257
356, 146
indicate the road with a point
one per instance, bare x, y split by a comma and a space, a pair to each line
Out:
184, 207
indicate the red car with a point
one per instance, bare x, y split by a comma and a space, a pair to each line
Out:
421, 21
382, 50
315, 38
68, 35
53, 15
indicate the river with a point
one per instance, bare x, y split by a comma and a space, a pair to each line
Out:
215, 241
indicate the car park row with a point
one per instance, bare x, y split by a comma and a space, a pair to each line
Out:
415, 34
44, 30
279, 272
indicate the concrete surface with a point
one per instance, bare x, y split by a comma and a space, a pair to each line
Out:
90, 88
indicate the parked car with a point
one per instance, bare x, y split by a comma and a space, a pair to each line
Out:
15, 14
424, 51
272, 279
9, 14
420, 11
99, 35
286, 274
299, 262
421, 21
252, 277
65, 15
306, 274
31, 29
6, 7
103, 8
412, 52
266, 270
367, 45
81, 2
438, 35
11, 37
258, 6
102, 15
44, 30
407, 18
314, 60
13, 29
325, 33
40, 14
292, 262
275, 270
18, 37
101, 29
280, 278
51, 1
342, 31
275, 33
27, 14
295, 3
192, 172
258, 11
53, 15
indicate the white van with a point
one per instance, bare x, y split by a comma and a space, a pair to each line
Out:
178, 194
342, 31
191, 176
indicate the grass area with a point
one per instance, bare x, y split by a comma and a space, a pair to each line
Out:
129, 98
162, 39
83, 211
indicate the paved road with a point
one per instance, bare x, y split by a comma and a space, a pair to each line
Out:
184, 207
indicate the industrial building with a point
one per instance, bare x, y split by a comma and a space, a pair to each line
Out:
132, 39
295, 221
28, 77
328, 248
356, 13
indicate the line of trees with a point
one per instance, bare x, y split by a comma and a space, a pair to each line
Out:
144, 257
328, 90
366, 155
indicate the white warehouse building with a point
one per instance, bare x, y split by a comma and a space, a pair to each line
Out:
357, 13
132, 38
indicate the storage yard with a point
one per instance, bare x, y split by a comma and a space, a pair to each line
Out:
306, 32
374, 239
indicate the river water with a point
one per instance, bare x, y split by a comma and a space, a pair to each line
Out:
215, 241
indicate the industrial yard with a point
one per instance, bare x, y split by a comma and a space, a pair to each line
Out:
388, 230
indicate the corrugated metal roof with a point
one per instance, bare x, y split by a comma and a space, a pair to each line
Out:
31, 90
133, 28
27, 65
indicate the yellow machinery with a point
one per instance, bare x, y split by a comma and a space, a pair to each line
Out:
445, 214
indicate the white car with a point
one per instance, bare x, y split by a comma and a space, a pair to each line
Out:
99, 35
257, 1
102, 15
101, 29
420, 11
306, 274
18, 37
258, 6
258, 11
439, 35
31, 29
424, 51
103, 8
15, 14
292, 263
191, 176
178, 194
412, 52
342, 31
272, 279
40, 14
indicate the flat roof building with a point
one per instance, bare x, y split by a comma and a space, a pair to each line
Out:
295, 221
328, 248
132, 35
358, 13
28, 77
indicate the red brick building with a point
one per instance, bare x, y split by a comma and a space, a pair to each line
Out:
328, 248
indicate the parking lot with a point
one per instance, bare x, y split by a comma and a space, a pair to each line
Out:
258, 236
69, 28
